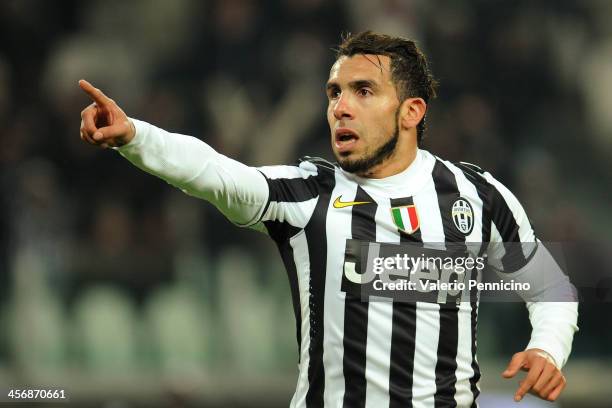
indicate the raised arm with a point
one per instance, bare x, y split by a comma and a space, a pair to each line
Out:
240, 192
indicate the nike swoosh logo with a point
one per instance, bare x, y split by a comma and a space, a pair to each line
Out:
343, 204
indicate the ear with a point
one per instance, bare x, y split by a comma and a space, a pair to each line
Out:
412, 111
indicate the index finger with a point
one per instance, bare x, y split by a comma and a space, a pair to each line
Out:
95, 94
534, 373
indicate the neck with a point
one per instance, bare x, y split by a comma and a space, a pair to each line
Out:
401, 158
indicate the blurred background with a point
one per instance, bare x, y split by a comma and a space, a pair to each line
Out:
126, 293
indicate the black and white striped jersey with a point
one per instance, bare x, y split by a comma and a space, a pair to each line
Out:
356, 351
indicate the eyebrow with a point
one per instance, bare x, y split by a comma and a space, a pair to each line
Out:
357, 84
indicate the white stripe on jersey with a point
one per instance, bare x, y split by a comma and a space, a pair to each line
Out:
496, 249
297, 214
302, 263
463, 393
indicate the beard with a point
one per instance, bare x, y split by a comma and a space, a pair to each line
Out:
367, 162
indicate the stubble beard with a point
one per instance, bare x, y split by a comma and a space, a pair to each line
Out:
363, 165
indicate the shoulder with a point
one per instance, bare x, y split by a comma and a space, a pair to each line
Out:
472, 171
479, 177
470, 167
461, 172
489, 187
305, 167
319, 163
486, 182
301, 181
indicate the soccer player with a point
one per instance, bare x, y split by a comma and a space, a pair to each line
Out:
355, 351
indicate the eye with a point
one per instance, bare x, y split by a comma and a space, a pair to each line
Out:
333, 93
364, 91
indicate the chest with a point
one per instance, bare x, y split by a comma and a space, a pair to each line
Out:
385, 215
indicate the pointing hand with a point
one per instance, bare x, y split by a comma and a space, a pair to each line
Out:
544, 379
103, 123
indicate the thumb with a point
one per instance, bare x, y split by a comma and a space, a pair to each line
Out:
109, 132
515, 365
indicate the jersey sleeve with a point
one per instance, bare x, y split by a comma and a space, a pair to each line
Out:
293, 195
512, 239
516, 254
240, 192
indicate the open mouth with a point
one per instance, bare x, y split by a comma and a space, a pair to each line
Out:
345, 139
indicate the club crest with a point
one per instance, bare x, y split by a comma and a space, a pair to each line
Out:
405, 218
463, 216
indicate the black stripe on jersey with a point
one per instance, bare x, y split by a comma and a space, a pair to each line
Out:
503, 218
316, 236
403, 336
280, 231
475, 367
447, 192
293, 190
363, 227
286, 252
504, 221
267, 202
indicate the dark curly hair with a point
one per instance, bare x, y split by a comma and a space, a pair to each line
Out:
409, 68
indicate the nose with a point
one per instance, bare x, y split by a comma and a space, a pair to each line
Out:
342, 108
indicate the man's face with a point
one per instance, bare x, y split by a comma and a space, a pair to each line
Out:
362, 111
